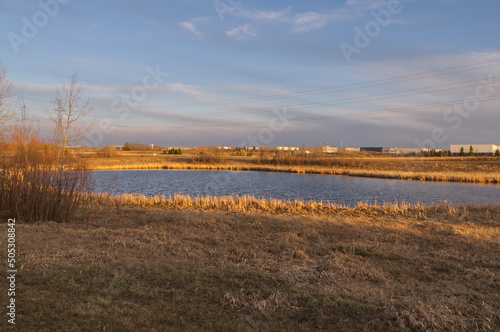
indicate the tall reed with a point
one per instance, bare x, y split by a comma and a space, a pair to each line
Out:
250, 204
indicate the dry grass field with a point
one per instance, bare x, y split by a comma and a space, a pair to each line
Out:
180, 267
452, 169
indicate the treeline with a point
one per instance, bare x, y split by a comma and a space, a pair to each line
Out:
172, 151
135, 147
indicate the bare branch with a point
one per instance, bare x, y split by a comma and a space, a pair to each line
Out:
6, 109
69, 115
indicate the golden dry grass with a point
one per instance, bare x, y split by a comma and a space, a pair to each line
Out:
250, 204
183, 267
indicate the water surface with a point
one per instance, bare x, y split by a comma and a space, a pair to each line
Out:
289, 186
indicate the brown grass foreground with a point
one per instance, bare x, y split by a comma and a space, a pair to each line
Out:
124, 267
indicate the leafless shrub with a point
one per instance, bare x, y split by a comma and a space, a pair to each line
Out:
211, 156
30, 185
107, 152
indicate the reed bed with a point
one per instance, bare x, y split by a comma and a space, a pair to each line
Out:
250, 204
127, 167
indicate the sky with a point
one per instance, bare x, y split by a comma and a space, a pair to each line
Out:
253, 73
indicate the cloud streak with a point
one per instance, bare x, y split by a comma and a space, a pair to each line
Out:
264, 16
193, 25
241, 33
310, 21
184, 88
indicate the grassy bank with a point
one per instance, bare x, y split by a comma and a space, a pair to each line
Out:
445, 169
129, 264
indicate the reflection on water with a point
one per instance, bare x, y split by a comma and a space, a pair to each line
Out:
326, 188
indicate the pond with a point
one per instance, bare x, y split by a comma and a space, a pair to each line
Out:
289, 186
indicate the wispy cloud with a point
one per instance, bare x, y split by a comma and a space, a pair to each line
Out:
301, 22
49, 91
180, 87
365, 5
255, 90
192, 25
309, 21
264, 15
241, 33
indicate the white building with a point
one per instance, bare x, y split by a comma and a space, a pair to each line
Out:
329, 149
480, 149
288, 148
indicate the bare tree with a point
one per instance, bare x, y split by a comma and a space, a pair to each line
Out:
6, 87
69, 116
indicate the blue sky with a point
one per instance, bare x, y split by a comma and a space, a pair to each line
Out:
234, 72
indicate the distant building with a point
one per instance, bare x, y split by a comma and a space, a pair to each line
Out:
375, 149
479, 149
288, 148
328, 149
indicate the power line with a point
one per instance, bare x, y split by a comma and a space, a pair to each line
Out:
345, 115
392, 80
398, 109
351, 100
